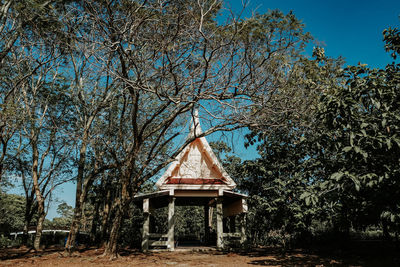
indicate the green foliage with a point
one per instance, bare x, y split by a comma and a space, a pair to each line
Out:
189, 222
360, 131
328, 138
131, 229
12, 210
65, 210
276, 191
5, 241
337, 166
392, 41
358, 143
63, 222
220, 148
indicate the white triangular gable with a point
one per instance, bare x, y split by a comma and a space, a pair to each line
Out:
197, 166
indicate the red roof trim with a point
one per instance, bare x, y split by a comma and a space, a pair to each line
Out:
194, 181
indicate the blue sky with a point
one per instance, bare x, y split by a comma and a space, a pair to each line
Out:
351, 29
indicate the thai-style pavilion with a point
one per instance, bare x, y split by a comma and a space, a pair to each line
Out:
196, 178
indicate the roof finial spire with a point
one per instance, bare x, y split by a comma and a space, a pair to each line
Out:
195, 128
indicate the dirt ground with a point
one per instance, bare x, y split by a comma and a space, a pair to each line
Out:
260, 257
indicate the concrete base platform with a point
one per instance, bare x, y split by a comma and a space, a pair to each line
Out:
195, 248
187, 249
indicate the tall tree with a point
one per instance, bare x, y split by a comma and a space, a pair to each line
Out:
168, 58
279, 180
46, 120
338, 164
21, 168
92, 92
360, 130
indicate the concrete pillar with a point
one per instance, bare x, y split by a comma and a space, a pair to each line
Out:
242, 228
210, 216
146, 224
206, 224
220, 226
171, 224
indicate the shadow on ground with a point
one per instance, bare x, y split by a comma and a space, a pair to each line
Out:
28, 252
370, 254
24, 252
356, 254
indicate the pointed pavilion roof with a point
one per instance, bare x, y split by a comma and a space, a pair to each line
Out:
196, 167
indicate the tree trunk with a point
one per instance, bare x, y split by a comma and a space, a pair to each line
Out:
111, 248
78, 214
82, 188
121, 209
105, 215
79, 198
38, 193
93, 230
25, 232
73, 231
27, 222
30, 208
39, 227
